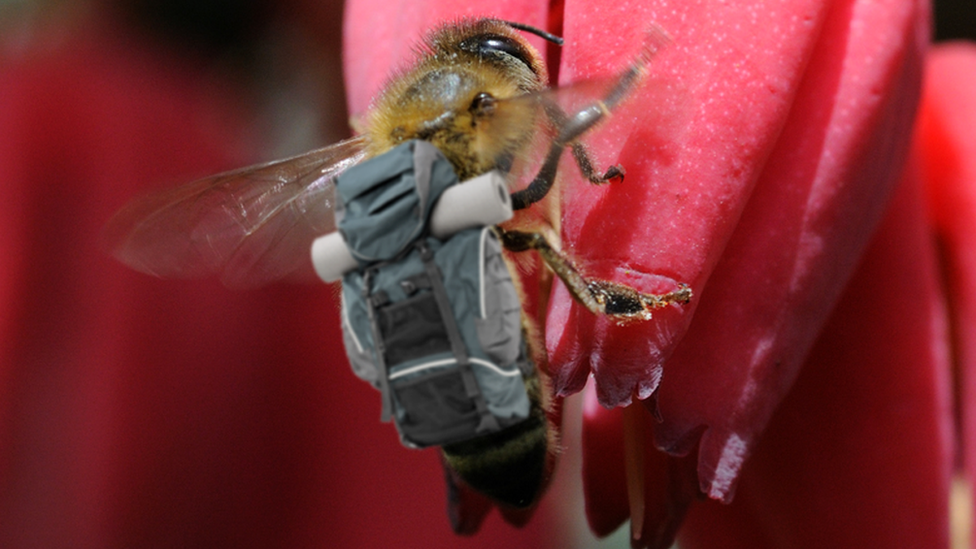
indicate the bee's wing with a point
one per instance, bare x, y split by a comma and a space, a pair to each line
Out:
251, 225
571, 110
663, 113
549, 110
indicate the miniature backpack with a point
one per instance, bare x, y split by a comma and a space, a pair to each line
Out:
434, 325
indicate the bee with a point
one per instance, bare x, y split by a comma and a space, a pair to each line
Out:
478, 92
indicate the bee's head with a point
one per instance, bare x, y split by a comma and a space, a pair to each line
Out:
454, 96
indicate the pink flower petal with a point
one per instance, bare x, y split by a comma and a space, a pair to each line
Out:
824, 95
860, 452
807, 223
948, 151
692, 159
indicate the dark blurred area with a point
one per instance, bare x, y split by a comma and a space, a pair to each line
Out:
284, 56
218, 26
955, 20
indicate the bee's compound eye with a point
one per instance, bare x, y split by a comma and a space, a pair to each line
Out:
492, 45
483, 103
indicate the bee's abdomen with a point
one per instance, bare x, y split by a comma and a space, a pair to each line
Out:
508, 466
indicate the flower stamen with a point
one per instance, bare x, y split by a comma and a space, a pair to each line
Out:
633, 426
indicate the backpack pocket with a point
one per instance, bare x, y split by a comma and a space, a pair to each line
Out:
412, 329
360, 358
499, 327
434, 408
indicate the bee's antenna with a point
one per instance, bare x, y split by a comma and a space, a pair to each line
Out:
538, 32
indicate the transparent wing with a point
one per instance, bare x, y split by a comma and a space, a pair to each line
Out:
573, 112
252, 225
551, 112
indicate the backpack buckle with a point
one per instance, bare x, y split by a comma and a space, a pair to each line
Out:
408, 287
378, 299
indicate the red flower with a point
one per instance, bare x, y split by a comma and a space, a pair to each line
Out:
872, 468
760, 175
763, 160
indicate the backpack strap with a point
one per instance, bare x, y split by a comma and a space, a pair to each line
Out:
379, 348
488, 421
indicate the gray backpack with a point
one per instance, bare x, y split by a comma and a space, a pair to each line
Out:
434, 325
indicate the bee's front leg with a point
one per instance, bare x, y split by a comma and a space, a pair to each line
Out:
582, 157
580, 152
572, 129
621, 302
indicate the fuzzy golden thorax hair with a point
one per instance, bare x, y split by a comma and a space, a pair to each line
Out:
455, 95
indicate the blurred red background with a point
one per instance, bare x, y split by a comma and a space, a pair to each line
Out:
137, 412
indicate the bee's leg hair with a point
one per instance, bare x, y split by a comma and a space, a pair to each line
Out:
599, 296
582, 157
580, 153
539, 188
571, 127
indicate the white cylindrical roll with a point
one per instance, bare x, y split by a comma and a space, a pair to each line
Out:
331, 257
477, 202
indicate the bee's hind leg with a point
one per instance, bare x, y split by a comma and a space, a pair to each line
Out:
599, 296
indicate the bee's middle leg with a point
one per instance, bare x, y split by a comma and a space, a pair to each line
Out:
599, 296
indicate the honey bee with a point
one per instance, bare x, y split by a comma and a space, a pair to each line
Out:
478, 93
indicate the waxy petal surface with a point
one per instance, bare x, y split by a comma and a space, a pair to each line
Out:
693, 153
860, 452
816, 205
604, 465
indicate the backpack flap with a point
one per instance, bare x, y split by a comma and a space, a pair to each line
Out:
387, 200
